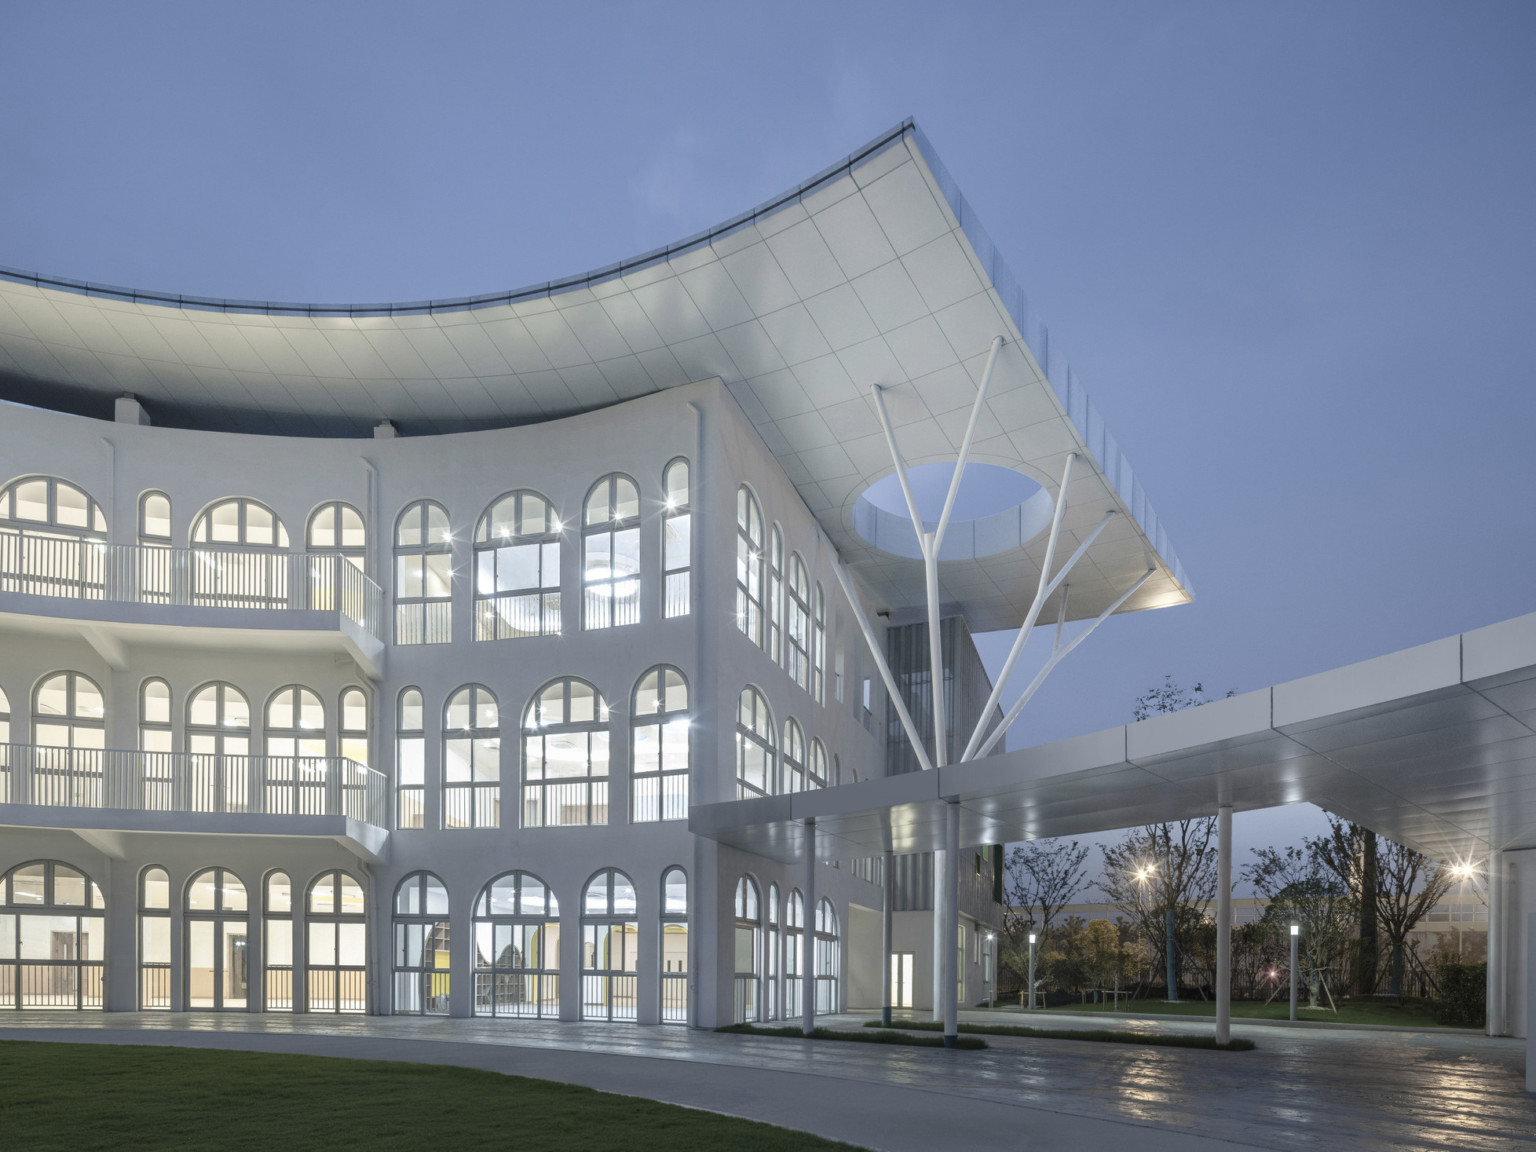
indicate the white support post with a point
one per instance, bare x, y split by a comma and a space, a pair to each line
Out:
1057, 656
887, 925
808, 936
1224, 925
951, 923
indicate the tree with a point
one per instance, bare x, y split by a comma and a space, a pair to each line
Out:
1043, 876
1410, 885
1158, 867
1301, 888
1170, 697
1350, 852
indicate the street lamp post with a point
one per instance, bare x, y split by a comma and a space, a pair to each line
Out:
1031, 971
1295, 937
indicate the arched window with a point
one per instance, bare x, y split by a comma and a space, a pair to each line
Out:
155, 519
517, 569
154, 940
818, 766
676, 540
610, 554
749, 567
353, 735
69, 725
337, 528
49, 530
674, 946
217, 918
51, 937
773, 947
295, 767
819, 646
219, 736
238, 564
827, 958
155, 743
421, 946
517, 948
748, 956
423, 575
659, 760
775, 647
277, 936
410, 760
472, 759
792, 763
239, 522
610, 938
799, 623
5, 738
565, 756
794, 926
755, 767
337, 925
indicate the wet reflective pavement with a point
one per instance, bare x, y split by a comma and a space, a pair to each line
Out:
1301, 1089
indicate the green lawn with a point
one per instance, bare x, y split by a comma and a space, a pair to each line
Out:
89, 1097
1407, 1013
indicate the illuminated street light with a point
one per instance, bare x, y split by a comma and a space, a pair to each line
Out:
1295, 939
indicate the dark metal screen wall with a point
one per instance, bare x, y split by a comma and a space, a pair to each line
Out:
966, 688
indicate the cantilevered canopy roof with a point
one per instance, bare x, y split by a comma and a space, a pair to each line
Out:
1434, 746
875, 271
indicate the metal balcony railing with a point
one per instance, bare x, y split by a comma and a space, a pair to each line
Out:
192, 782
197, 577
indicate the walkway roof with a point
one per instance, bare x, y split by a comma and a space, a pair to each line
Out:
1433, 746
873, 271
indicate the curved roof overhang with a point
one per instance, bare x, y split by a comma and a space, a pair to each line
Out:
876, 270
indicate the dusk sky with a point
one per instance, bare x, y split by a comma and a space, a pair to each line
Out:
1289, 249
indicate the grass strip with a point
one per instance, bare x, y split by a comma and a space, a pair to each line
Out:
883, 1036
1102, 1035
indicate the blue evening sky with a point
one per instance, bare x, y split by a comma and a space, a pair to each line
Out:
1289, 248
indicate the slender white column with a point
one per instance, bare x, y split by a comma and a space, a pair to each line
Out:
887, 927
1498, 980
951, 922
1224, 924
808, 936
941, 902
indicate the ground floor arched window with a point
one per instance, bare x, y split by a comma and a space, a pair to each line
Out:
277, 942
217, 923
674, 947
337, 928
826, 958
773, 944
794, 927
517, 948
747, 952
52, 935
154, 940
421, 959
610, 937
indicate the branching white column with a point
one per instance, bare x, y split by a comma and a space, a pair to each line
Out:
1224, 924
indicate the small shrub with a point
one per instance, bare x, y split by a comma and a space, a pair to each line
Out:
1463, 998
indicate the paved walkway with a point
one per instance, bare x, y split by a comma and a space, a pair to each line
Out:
1342, 1088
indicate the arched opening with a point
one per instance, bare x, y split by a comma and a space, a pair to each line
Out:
517, 948
422, 946
610, 937
337, 926
52, 937
216, 916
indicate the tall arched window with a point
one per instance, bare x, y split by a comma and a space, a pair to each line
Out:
517, 948
155, 716
610, 938
819, 646
423, 575
610, 554
337, 925
676, 540
295, 769
49, 530
472, 759
277, 937
565, 756
794, 926
827, 959
155, 519
818, 766
799, 623
410, 760
659, 760
749, 567
154, 940
674, 946
755, 767
792, 763
353, 729
238, 564
153, 563
775, 646
217, 921
747, 954
773, 946
421, 946
517, 569
219, 737
6, 788
337, 528
69, 725
52, 934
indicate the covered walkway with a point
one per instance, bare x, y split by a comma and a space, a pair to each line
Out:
1300, 1089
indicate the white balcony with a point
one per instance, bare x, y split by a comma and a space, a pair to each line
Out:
125, 791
